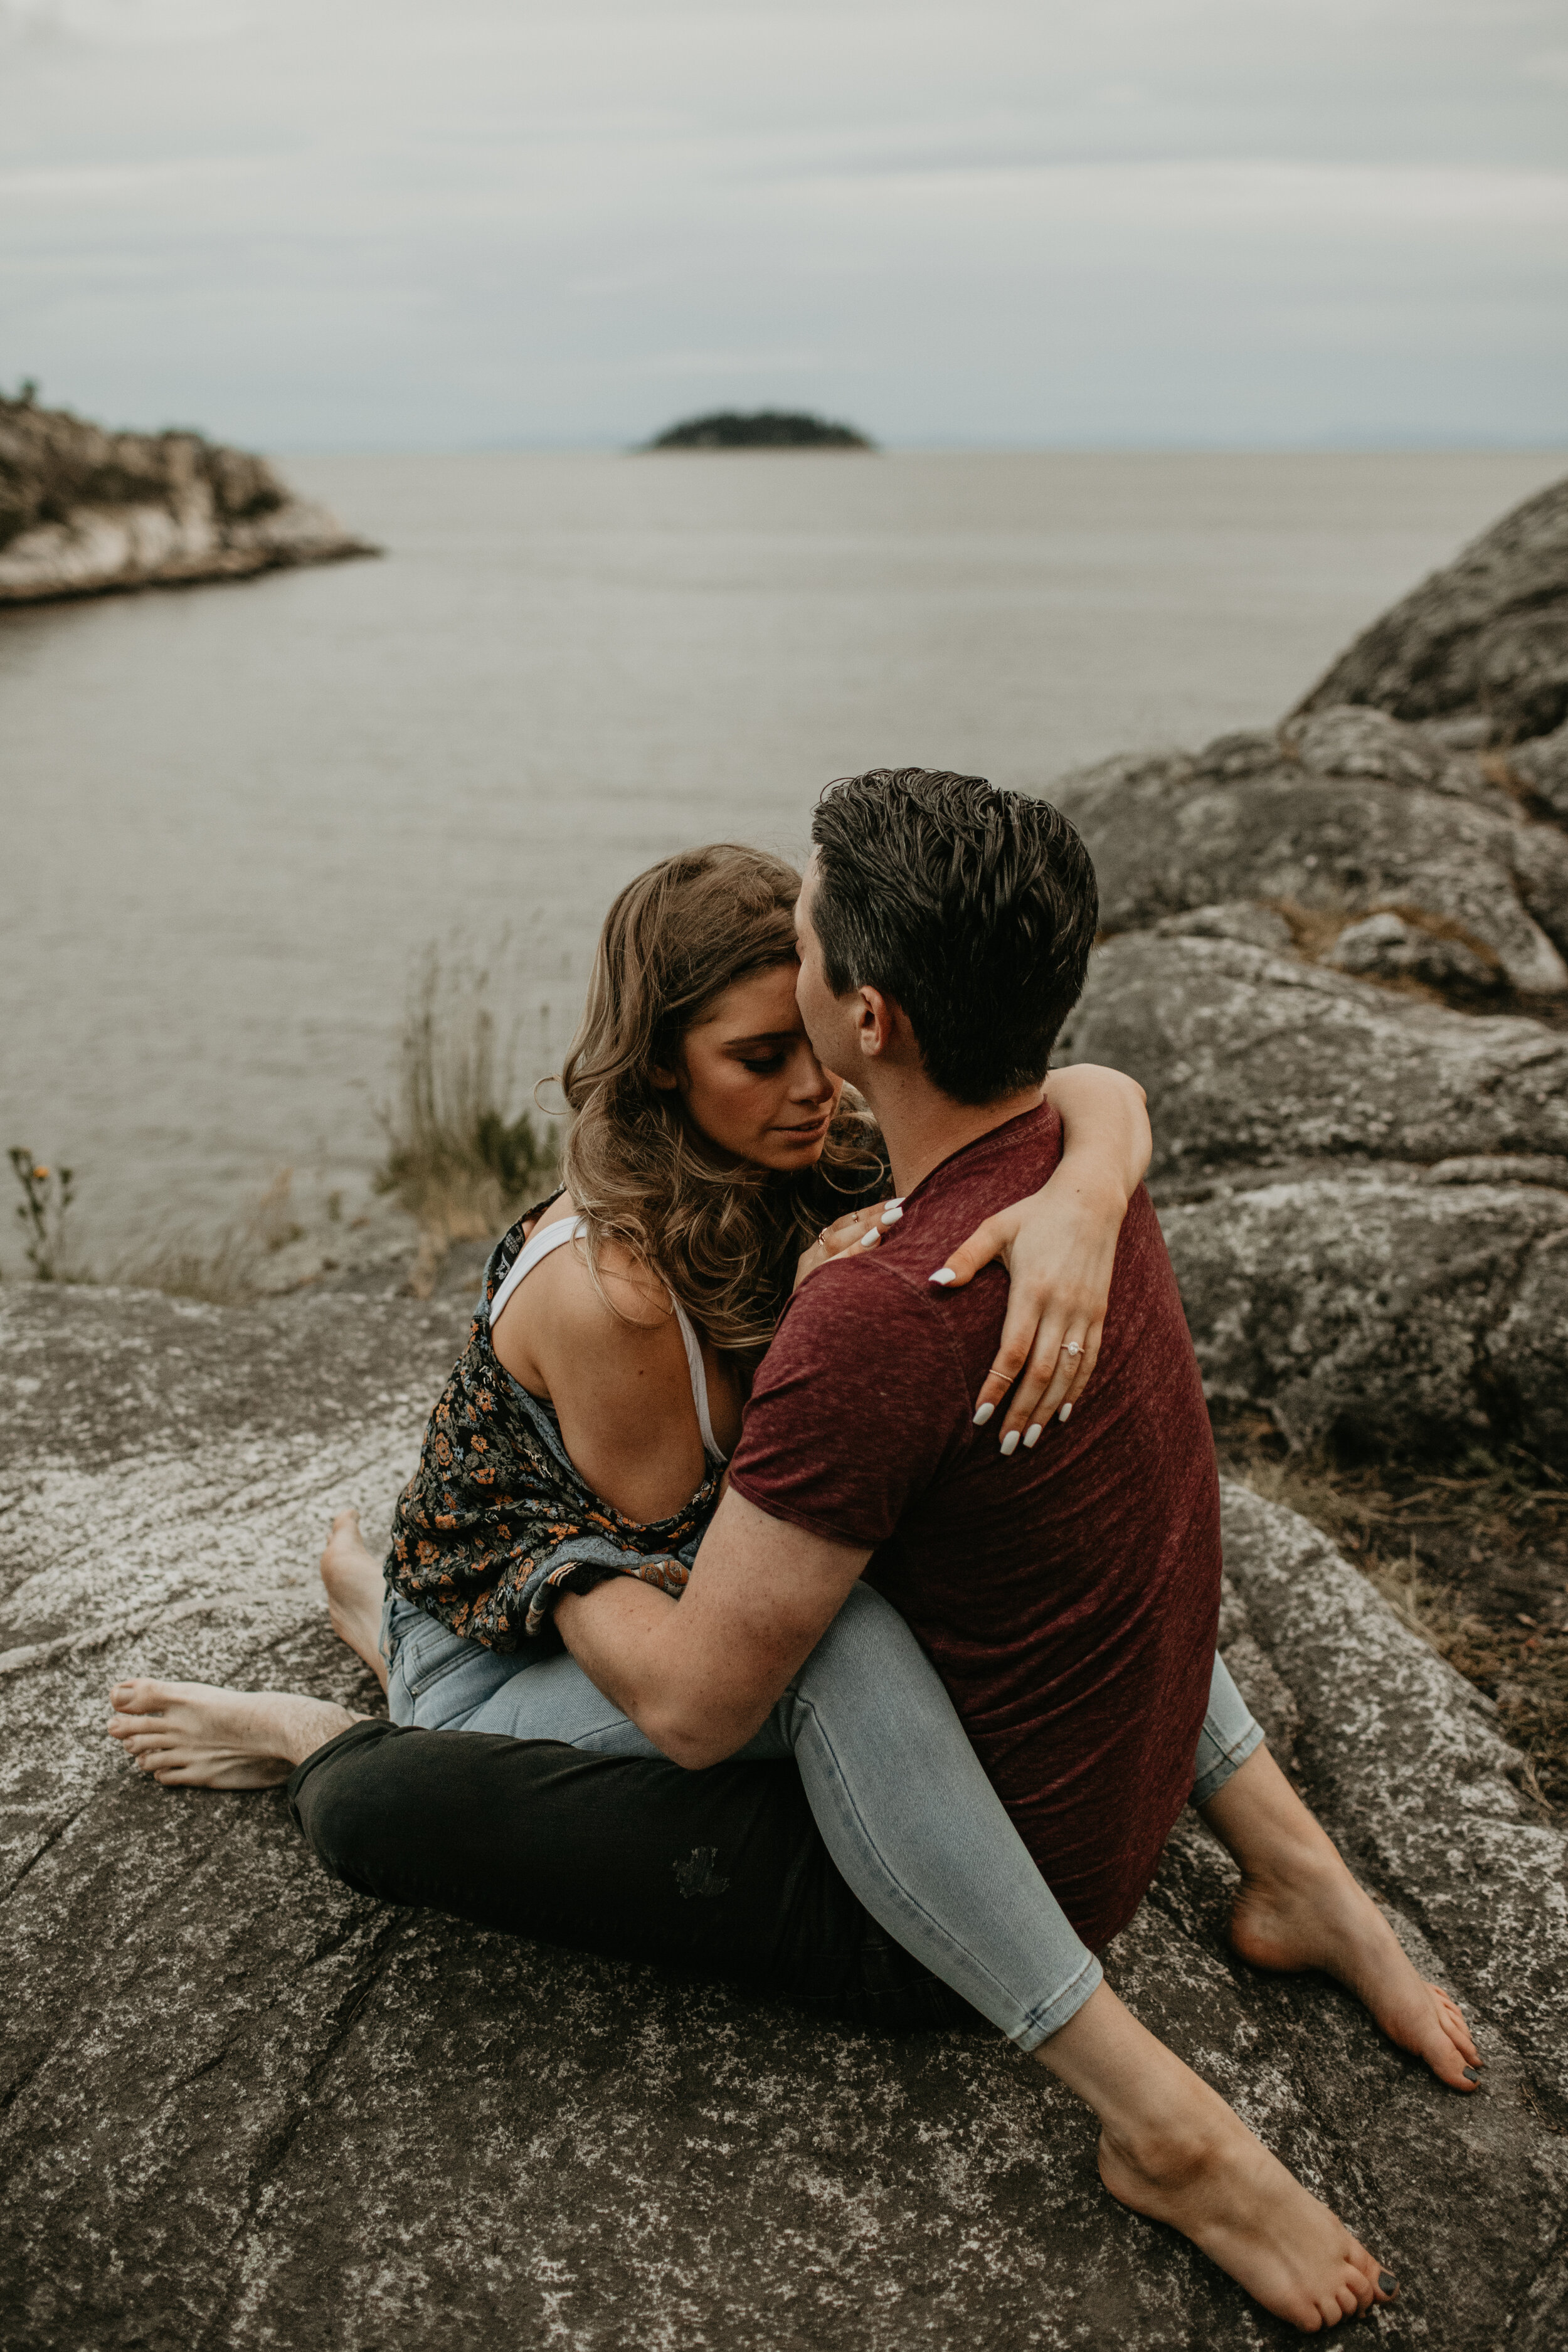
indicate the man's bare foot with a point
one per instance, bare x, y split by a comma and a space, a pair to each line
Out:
355, 1591
190, 1735
1172, 2150
1300, 1908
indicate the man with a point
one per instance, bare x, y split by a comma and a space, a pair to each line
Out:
1068, 1595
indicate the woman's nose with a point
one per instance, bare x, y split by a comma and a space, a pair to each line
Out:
809, 1082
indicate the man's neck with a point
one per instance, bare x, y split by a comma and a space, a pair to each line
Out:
922, 1127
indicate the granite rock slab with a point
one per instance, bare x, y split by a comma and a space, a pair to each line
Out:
244, 2107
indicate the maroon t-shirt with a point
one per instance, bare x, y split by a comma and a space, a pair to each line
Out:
1068, 1597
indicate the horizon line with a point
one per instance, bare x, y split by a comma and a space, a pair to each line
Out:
1345, 446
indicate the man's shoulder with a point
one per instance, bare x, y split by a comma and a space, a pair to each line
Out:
864, 1316
848, 1289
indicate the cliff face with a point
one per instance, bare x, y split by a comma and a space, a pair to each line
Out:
83, 512
1336, 955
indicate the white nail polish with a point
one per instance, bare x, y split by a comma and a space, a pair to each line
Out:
1010, 1443
866, 1239
944, 1275
983, 1414
1064, 1412
891, 1214
1031, 1435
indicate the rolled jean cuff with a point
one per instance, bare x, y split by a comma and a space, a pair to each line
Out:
1041, 2024
1215, 1764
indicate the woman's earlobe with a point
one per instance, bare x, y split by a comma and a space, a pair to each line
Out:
666, 1079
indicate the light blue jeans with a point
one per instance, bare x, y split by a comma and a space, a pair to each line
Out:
904, 1808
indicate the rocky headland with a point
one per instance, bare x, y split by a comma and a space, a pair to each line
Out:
242, 2106
85, 512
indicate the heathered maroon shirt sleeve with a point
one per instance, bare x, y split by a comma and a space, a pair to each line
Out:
857, 1403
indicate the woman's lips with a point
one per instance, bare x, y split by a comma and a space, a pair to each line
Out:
813, 1127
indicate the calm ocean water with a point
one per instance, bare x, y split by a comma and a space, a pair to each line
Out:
234, 817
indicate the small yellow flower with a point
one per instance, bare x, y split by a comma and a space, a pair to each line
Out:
39, 1174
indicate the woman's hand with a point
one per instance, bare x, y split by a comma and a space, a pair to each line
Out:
1060, 1249
862, 1229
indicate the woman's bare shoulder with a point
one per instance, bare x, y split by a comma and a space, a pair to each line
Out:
628, 1293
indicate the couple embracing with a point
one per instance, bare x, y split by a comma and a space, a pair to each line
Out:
723, 1486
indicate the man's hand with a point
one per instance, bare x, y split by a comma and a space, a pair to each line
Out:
702, 1678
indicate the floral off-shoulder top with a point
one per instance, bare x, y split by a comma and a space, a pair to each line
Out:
496, 1523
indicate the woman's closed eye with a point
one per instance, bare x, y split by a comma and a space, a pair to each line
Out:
766, 1066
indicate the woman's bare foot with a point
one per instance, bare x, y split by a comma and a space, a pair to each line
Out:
355, 1591
1172, 2150
1216, 2184
190, 1735
1300, 1908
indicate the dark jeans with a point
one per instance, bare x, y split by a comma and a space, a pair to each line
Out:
720, 1874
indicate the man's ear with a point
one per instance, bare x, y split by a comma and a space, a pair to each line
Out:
875, 1017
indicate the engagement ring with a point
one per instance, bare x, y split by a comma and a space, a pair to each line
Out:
1072, 1348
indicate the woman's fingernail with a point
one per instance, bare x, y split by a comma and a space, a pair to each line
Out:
944, 1273
891, 1214
1472, 2073
982, 1413
1031, 1435
1064, 1412
1388, 2283
866, 1239
1010, 1443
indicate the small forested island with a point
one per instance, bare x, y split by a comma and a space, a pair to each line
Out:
84, 511
761, 429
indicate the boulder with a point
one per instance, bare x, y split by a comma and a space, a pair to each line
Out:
1399, 947
1403, 1315
1255, 1060
1361, 1189
1486, 638
1335, 824
83, 512
245, 2106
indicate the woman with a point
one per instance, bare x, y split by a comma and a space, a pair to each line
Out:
584, 1432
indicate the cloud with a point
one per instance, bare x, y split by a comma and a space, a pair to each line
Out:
447, 221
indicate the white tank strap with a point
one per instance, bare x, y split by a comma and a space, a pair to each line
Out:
543, 1240
565, 1229
698, 1372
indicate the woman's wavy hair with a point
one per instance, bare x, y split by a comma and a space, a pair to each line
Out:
722, 1233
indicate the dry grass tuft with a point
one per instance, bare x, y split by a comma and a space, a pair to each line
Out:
461, 1156
226, 1269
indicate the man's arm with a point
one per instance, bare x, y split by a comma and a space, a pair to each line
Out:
702, 1678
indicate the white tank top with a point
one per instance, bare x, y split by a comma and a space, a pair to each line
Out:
565, 1229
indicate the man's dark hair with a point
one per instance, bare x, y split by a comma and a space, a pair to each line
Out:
974, 908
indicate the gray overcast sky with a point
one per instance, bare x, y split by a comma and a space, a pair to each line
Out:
438, 223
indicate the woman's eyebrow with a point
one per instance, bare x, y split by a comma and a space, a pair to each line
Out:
763, 1037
